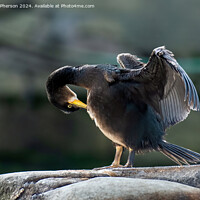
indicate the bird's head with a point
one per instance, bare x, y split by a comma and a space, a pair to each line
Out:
61, 95
66, 100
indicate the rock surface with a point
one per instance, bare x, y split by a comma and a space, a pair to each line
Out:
120, 183
123, 188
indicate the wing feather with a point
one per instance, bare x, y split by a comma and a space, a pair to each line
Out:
167, 83
180, 95
167, 86
126, 60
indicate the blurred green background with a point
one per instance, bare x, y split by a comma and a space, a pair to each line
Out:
34, 135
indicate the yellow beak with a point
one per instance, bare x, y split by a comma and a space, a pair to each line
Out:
78, 103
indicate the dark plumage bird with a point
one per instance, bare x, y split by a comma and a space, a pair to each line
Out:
132, 104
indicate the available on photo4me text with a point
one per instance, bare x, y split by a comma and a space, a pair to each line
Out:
29, 6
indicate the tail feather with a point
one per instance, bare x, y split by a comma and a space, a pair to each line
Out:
179, 154
186, 153
178, 159
170, 156
182, 154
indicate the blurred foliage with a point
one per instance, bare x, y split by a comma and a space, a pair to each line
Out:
34, 42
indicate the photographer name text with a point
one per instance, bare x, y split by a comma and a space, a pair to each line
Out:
31, 6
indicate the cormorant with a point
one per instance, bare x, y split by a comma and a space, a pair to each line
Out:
132, 104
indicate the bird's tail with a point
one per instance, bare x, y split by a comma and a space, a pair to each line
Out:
179, 154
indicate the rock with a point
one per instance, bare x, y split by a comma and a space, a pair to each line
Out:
187, 174
122, 188
125, 181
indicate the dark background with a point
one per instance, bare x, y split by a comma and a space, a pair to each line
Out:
34, 135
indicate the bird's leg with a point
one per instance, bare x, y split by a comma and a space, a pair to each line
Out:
118, 154
116, 162
131, 157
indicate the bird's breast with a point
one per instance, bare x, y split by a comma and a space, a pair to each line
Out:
106, 128
124, 118
108, 110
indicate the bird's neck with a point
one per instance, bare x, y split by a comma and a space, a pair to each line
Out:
59, 78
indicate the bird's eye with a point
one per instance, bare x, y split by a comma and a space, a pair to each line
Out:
69, 106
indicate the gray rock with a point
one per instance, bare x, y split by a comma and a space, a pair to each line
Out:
122, 188
131, 181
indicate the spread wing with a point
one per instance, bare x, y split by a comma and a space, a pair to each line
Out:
167, 84
126, 60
